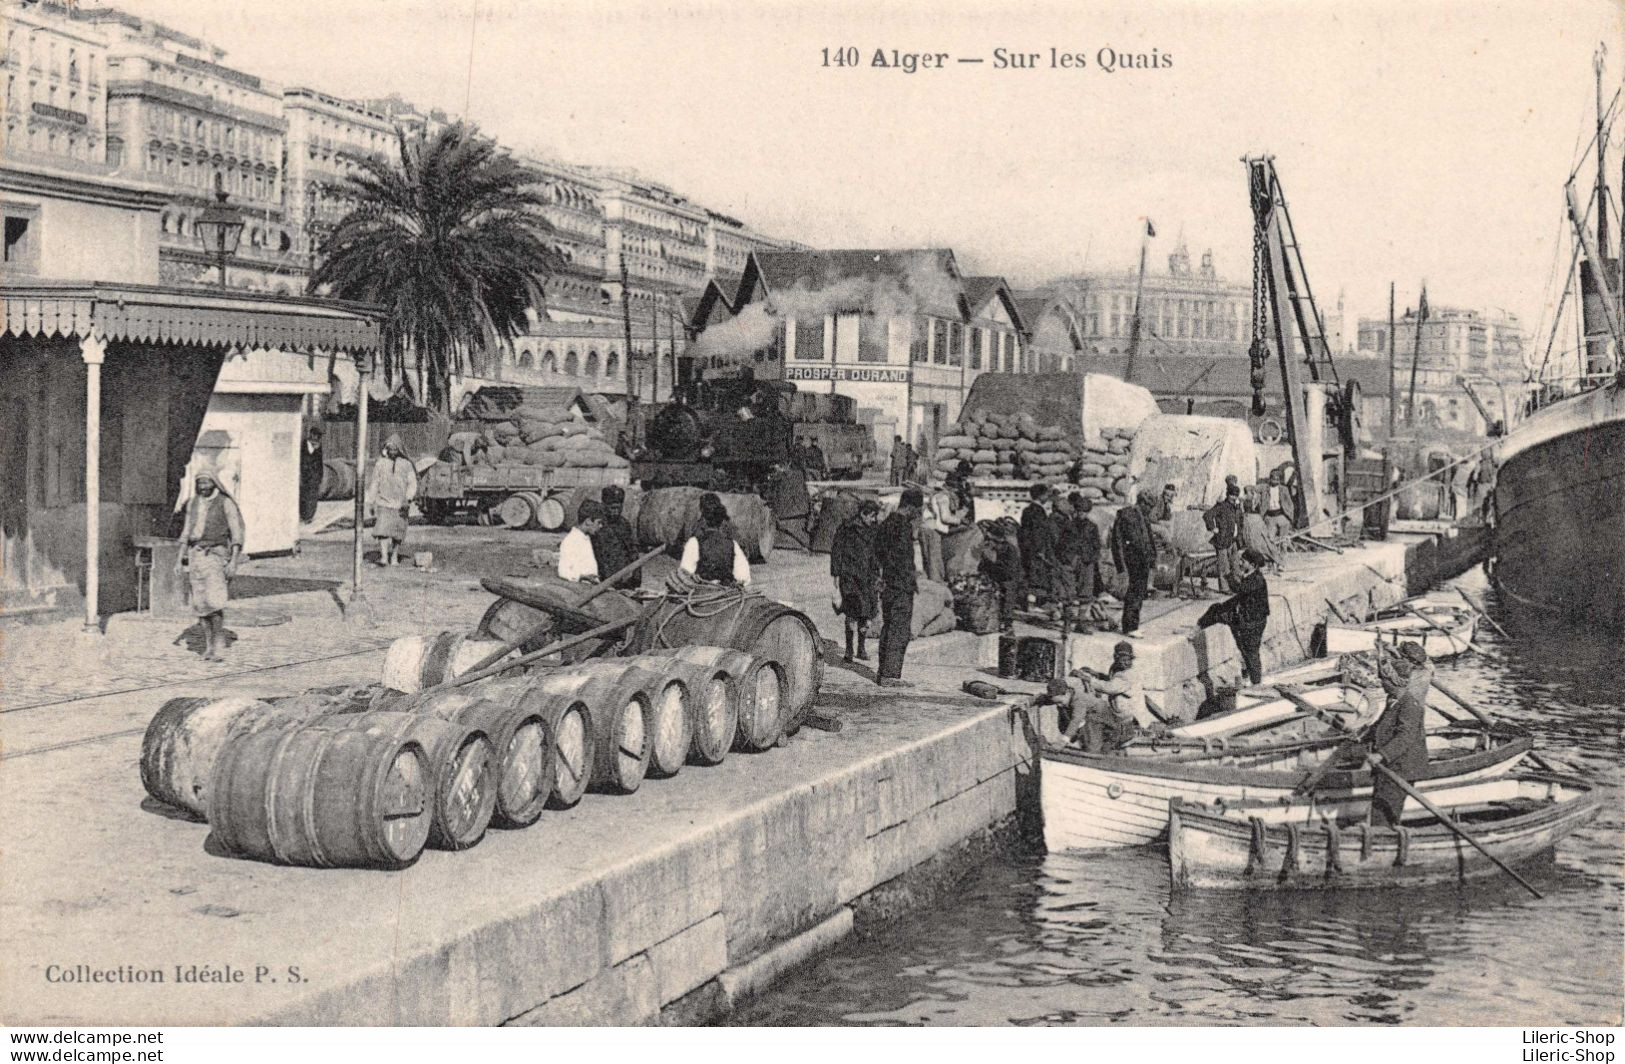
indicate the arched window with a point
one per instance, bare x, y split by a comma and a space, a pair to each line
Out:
591, 369
572, 365
612, 364
550, 362
526, 359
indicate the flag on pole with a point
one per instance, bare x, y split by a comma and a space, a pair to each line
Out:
1150, 230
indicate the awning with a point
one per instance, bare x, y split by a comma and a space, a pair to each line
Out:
188, 317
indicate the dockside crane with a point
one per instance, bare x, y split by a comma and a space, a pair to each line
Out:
1286, 319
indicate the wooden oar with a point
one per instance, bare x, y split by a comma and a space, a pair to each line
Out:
543, 627
1378, 766
1488, 722
608, 628
1502, 632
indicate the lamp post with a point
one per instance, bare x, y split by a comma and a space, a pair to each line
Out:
220, 229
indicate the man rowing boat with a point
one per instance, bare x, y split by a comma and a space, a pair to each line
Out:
1399, 737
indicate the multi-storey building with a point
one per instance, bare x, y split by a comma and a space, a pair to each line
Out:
326, 136
179, 117
1486, 348
1183, 311
56, 75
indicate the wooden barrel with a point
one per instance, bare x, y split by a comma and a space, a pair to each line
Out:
672, 731
507, 620
788, 637
518, 510
665, 516
550, 513
757, 686
337, 699
519, 735
569, 722
551, 594
184, 739
621, 715
338, 480
765, 628
415, 662
322, 797
462, 780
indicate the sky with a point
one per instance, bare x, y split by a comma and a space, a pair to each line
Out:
1415, 140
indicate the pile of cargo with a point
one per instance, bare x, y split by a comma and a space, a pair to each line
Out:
367, 777
997, 444
459, 736
1006, 446
1103, 469
552, 442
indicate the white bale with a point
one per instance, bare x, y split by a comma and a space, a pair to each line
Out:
1194, 454
1113, 403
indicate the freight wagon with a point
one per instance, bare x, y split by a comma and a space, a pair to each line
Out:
511, 495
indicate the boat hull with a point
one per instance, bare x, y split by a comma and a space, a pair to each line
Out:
1457, 637
1208, 850
1560, 513
1104, 801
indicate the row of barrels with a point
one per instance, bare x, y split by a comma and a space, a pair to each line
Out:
369, 777
552, 512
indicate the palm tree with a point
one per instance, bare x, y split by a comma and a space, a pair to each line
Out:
451, 241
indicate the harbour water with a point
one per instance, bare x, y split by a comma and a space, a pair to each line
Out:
1097, 939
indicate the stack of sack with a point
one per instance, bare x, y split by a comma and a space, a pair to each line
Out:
990, 442
549, 440
1103, 469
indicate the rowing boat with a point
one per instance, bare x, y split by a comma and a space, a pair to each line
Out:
1443, 630
1097, 801
1313, 847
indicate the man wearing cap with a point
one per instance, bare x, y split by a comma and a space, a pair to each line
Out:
711, 553
856, 569
310, 474
577, 558
1247, 612
1223, 521
1038, 541
894, 549
613, 545
1399, 737
1107, 709
1083, 549
212, 541
394, 484
1134, 552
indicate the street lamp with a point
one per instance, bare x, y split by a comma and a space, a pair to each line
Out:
219, 229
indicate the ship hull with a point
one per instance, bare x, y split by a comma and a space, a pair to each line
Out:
1560, 513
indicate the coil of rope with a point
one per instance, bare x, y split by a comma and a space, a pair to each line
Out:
700, 599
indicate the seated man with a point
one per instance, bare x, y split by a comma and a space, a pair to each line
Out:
1107, 710
711, 553
577, 560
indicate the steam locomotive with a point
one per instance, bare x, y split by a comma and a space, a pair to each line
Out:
734, 434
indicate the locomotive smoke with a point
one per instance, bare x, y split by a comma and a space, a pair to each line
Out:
923, 287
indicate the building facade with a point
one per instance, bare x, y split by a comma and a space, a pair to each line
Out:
180, 118
326, 135
1485, 348
1184, 311
56, 84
